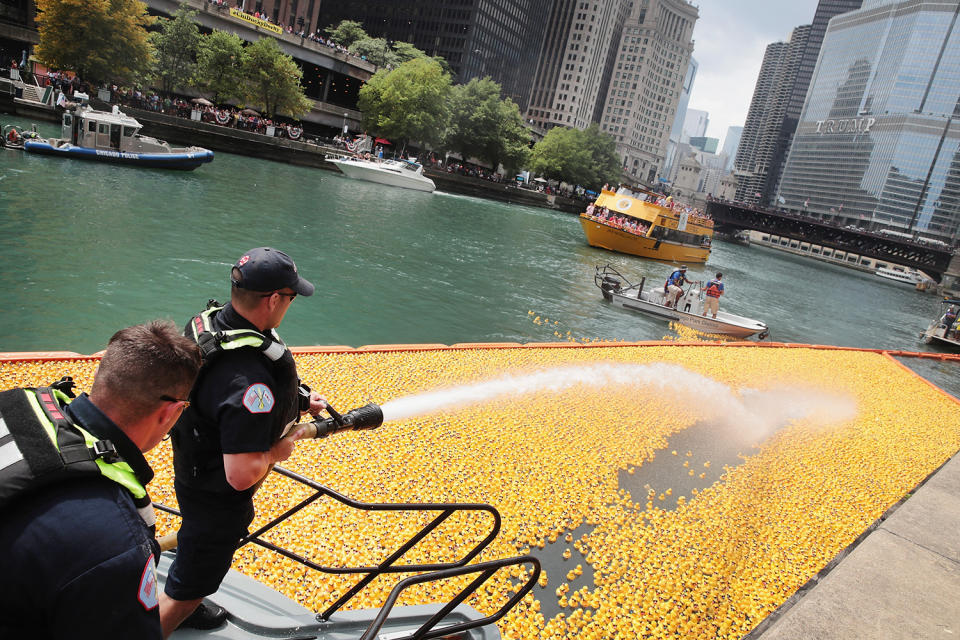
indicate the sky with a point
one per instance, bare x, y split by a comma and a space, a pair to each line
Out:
729, 40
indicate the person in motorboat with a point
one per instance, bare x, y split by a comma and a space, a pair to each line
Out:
14, 138
77, 525
674, 286
246, 402
948, 320
714, 290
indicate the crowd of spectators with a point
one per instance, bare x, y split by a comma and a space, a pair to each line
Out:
616, 220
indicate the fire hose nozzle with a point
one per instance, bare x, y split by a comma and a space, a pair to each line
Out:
369, 416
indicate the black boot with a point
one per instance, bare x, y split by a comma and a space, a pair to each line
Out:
206, 616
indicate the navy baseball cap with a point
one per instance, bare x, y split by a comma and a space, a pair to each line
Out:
266, 269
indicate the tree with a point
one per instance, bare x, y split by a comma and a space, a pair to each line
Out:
271, 79
375, 50
346, 33
586, 158
219, 60
485, 127
102, 40
406, 52
408, 103
176, 45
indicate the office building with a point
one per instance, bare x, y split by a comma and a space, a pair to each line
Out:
878, 142
730, 143
575, 63
761, 132
703, 143
644, 92
695, 124
676, 132
497, 38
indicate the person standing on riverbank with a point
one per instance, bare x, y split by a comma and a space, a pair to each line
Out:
714, 290
79, 555
242, 421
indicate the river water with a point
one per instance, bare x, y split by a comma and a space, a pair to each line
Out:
87, 248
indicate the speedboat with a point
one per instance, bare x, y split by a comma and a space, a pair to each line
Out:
398, 173
688, 312
14, 137
111, 136
647, 224
255, 611
942, 332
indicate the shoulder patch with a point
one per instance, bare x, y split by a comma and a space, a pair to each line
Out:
258, 398
147, 594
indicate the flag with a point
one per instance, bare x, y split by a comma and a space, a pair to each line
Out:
806, 203
781, 200
841, 207
757, 194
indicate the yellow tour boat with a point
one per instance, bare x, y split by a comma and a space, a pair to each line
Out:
645, 224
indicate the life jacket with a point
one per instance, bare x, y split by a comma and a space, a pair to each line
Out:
713, 289
40, 445
198, 456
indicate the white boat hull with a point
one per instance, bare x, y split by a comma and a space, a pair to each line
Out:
373, 172
689, 314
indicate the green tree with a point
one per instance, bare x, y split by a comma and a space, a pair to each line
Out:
375, 50
219, 65
346, 33
271, 80
485, 127
406, 52
408, 103
102, 40
176, 45
587, 158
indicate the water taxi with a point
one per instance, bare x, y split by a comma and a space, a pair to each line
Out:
689, 310
397, 173
631, 221
942, 331
111, 136
910, 277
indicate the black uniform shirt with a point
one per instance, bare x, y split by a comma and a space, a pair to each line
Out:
76, 559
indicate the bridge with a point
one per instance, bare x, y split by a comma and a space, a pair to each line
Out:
932, 260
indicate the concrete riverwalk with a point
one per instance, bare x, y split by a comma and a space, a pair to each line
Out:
901, 581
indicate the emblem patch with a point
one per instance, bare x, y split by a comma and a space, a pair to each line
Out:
243, 261
258, 398
147, 594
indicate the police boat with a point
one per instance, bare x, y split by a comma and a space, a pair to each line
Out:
112, 136
619, 291
255, 611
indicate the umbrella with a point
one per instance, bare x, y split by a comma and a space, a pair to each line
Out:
250, 112
539, 180
382, 141
202, 101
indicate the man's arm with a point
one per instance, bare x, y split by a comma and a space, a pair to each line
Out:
244, 470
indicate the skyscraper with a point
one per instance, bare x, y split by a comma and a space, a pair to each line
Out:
676, 132
695, 124
644, 93
761, 132
730, 143
878, 141
496, 38
575, 62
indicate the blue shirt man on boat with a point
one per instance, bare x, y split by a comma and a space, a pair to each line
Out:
674, 286
714, 290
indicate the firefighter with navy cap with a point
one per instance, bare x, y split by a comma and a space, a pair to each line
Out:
78, 555
245, 405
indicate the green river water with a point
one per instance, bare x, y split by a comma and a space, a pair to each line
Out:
88, 248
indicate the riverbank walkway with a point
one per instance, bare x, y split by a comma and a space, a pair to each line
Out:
901, 581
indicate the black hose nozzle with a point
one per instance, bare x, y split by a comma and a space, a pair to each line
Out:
369, 416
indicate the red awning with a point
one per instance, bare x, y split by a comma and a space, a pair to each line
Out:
382, 141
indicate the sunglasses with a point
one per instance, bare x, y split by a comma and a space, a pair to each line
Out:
166, 398
279, 293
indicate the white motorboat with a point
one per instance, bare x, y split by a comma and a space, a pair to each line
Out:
398, 173
688, 312
911, 277
942, 331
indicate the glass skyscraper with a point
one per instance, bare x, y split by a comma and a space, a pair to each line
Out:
878, 142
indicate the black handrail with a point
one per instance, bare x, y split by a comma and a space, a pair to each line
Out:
434, 571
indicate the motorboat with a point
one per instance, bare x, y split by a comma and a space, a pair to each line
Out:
254, 610
910, 277
647, 224
689, 310
397, 173
740, 236
942, 331
112, 136
13, 137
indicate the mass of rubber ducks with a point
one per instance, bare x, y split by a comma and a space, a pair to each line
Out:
713, 566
